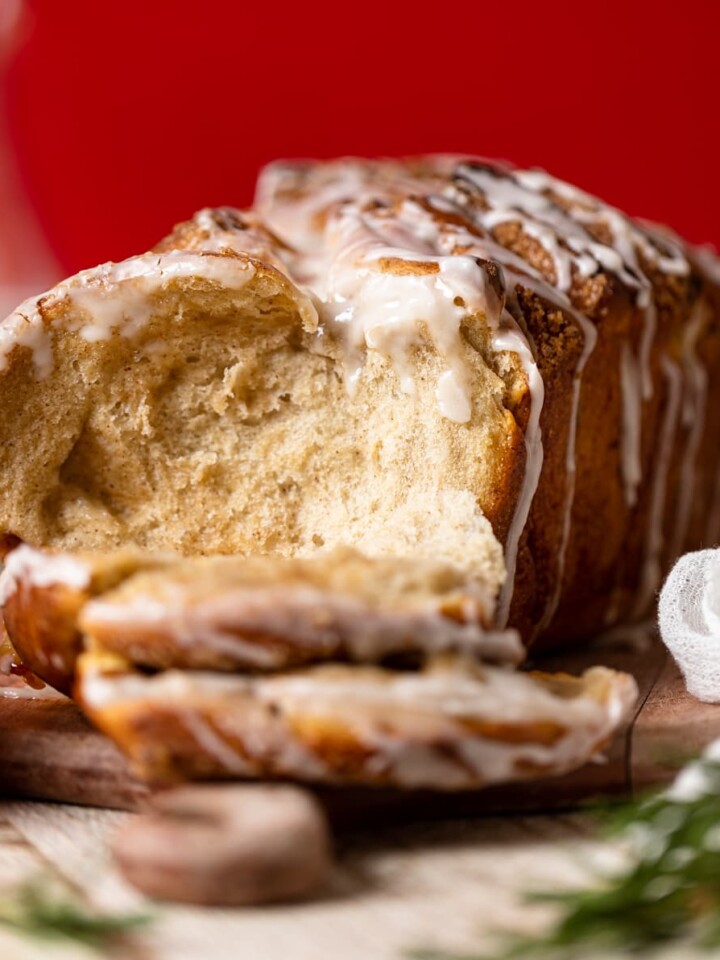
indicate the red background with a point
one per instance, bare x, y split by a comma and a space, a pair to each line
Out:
128, 116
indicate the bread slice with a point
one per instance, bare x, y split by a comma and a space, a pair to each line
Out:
234, 613
455, 725
184, 663
42, 594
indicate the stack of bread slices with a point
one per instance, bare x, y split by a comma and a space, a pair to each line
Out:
291, 494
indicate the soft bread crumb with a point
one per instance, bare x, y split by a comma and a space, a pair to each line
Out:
221, 426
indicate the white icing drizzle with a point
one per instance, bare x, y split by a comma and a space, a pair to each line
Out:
514, 200
533, 467
708, 259
630, 437
37, 568
294, 198
657, 244
391, 713
120, 297
20, 330
100, 689
651, 571
452, 399
209, 741
243, 233
693, 415
188, 625
387, 280
637, 386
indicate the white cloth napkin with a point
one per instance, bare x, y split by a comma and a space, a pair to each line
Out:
689, 615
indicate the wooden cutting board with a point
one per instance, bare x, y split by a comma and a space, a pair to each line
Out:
49, 752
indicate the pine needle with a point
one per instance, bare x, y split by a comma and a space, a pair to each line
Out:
38, 909
669, 892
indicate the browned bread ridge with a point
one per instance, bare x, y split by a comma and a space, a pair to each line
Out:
42, 594
413, 358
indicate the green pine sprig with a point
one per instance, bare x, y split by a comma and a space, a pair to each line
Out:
668, 892
38, 909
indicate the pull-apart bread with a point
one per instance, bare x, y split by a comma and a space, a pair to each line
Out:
235, 667
451, 725
337, 668
421, 404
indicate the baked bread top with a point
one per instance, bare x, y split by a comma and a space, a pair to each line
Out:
416, 358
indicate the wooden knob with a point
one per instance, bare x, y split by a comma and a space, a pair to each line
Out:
227, 845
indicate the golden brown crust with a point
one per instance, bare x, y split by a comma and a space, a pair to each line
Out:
42, 626
43, 594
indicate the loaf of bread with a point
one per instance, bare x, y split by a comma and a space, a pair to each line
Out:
425, 359
280, 492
